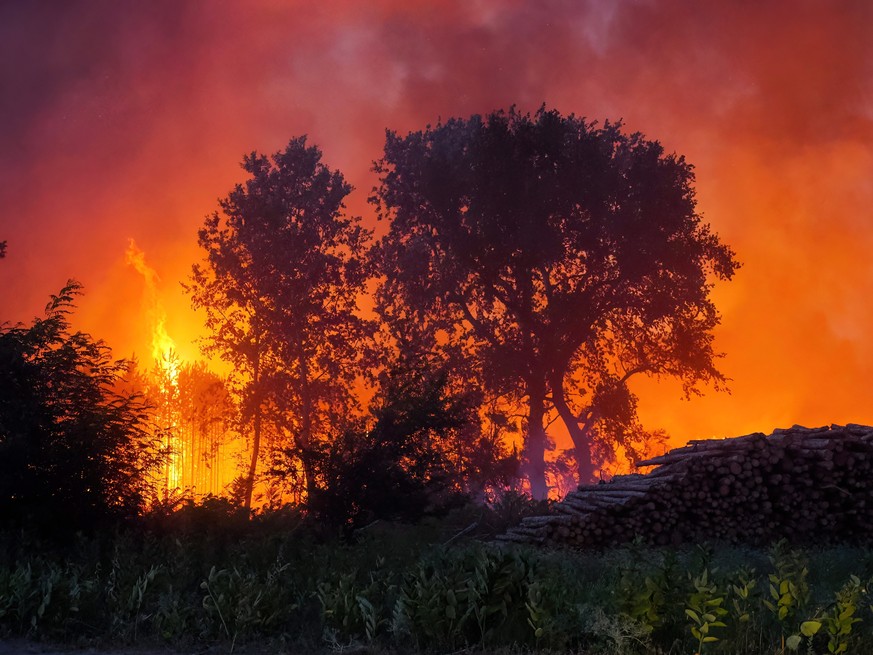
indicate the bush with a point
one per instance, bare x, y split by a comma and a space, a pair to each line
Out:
74, 451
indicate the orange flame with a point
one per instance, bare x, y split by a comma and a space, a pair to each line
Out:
163, 346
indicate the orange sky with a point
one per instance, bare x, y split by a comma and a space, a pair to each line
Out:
124, 121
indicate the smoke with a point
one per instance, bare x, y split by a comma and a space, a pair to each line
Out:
120, 120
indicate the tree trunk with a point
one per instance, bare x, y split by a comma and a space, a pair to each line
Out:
308, 472
580, 435
304, 444
256, 442
535, 443
253, 466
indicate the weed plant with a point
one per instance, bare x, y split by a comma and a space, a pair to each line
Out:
422, 588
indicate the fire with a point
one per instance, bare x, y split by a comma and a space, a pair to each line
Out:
193, 407
163, 346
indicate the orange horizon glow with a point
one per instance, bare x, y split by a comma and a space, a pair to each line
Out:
133, 121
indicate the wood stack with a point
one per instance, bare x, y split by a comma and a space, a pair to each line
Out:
803, 484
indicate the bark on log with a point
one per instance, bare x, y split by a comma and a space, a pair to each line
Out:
808, 483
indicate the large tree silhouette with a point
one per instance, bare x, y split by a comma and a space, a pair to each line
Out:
74, 451
562, 257
283, 270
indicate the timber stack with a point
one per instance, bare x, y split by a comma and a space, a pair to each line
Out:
803, 484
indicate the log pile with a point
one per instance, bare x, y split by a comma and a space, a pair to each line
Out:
803, 484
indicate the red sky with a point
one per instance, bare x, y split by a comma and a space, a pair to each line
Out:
123, 120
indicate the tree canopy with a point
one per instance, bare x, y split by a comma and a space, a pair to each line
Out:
74, 451
284, 267
561, 257
421, 451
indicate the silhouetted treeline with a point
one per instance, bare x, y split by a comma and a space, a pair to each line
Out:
543, 260
532, 266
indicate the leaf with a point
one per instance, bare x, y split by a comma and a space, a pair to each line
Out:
793, 642
810, 628
708, 640
692, 615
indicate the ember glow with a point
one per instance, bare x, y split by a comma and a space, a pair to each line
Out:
119, 119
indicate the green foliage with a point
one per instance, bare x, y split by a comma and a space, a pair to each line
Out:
788, 591
433, 606
653, 595
75, 452
127, 602
839, 619
788, 587
398, 590
705, 609
241, 602
742, 596
43, 598
354, 610
422, 453
509, 507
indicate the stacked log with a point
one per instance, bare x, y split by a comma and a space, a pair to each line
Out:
803, 484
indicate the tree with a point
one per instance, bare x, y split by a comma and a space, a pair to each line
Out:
283, 271
74, 452
205, 413
192, 415
423, 452
563, 258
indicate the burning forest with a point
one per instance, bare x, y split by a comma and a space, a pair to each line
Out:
321, 274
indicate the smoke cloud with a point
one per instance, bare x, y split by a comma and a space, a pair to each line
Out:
123, 121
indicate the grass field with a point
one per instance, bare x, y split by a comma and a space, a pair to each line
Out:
278, 585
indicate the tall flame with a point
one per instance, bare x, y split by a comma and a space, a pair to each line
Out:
163, 346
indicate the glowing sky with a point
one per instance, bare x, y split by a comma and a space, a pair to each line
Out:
122, 120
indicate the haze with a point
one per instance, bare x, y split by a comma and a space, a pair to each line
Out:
124, 121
